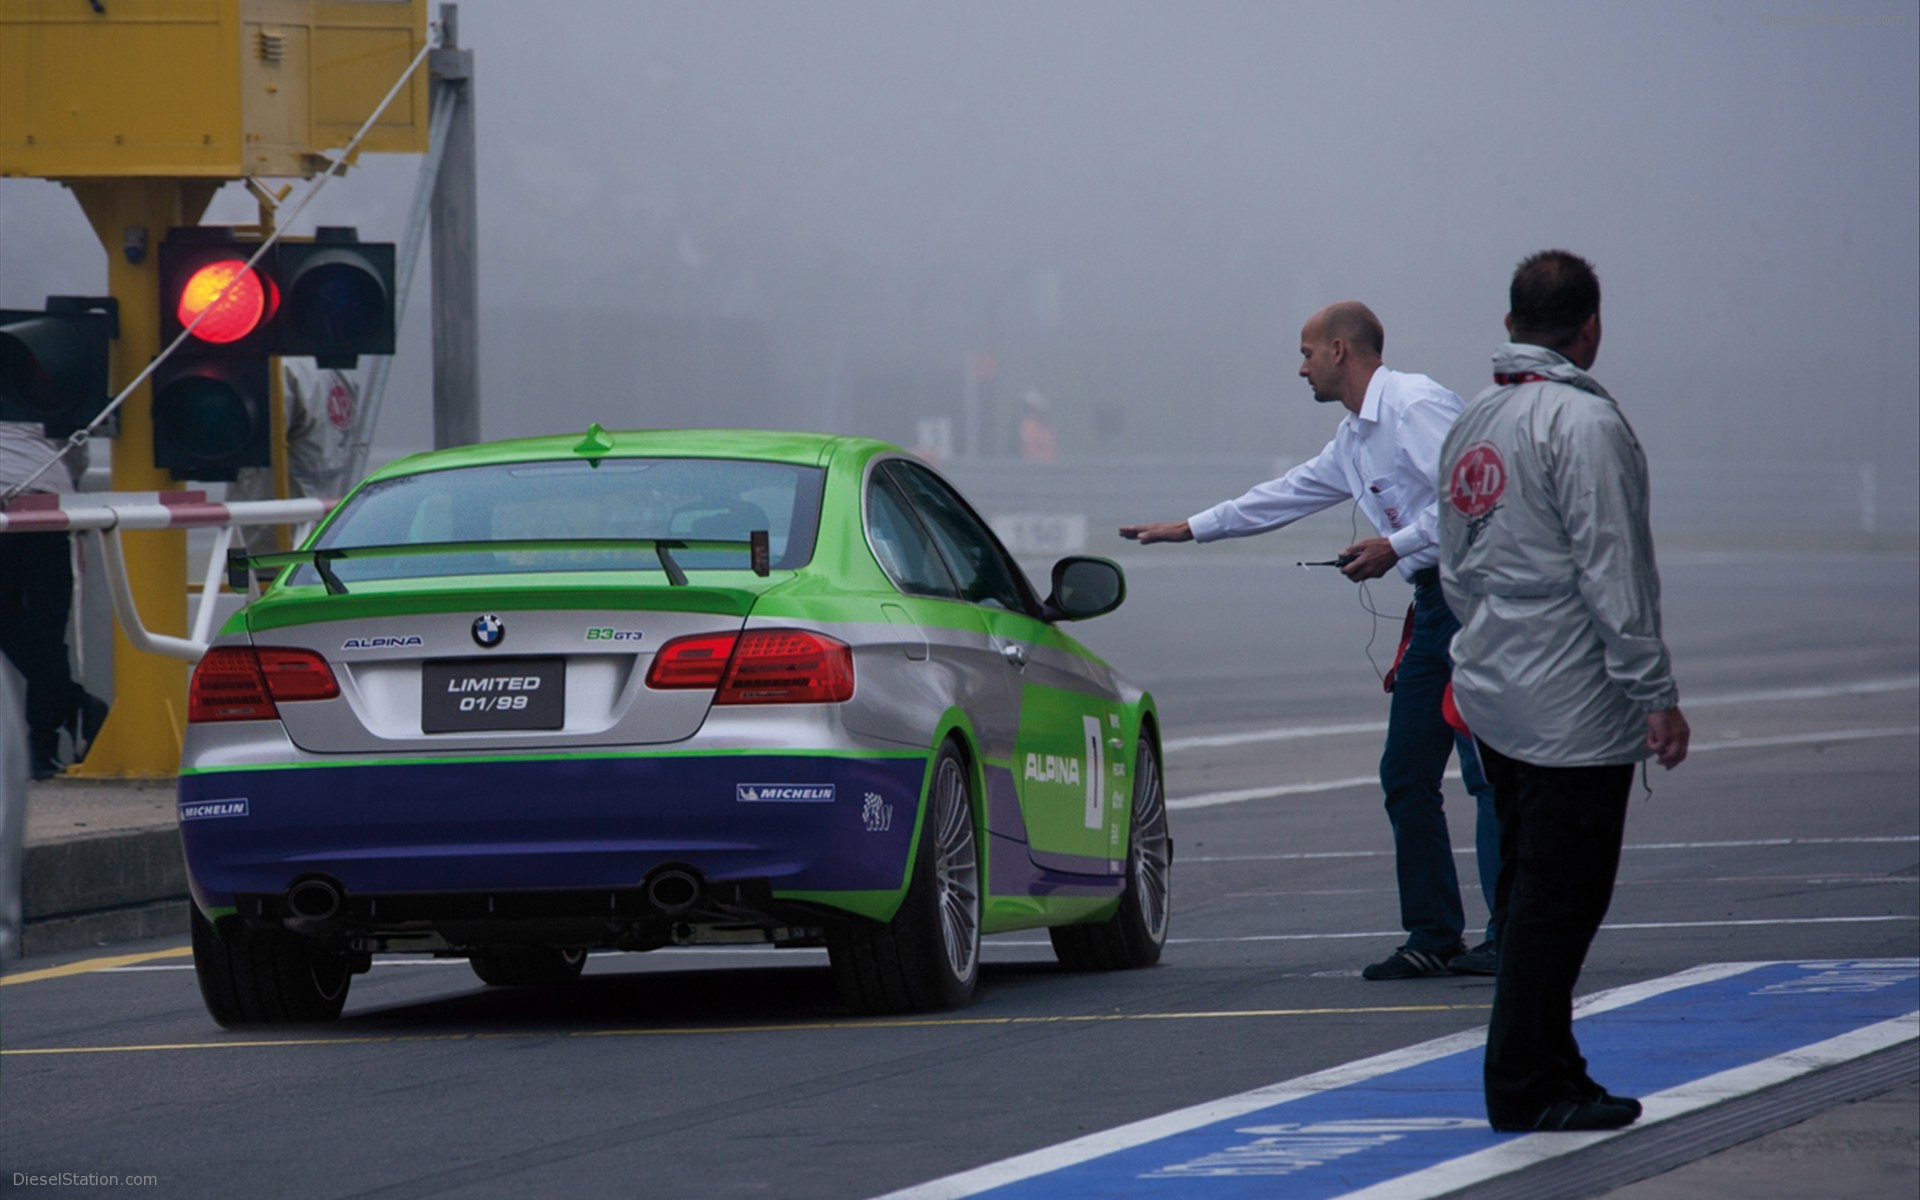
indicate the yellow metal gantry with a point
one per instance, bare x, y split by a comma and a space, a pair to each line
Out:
143, 109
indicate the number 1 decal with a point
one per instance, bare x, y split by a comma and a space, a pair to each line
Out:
1096, 773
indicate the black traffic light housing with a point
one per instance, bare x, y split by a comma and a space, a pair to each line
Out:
241, 324
211, 416
331, 299
336, 297
53, 363
212, 397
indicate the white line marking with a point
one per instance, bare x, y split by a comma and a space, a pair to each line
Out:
1607, 928
1807, 739
1284, 733
1744, 844
1241, 795
1212, 799
1125, 1137
1508, 1157
1863, 687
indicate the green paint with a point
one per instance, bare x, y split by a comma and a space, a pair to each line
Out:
1006, 914
1064, 768
878, 906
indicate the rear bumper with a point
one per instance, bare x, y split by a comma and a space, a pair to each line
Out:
798, 822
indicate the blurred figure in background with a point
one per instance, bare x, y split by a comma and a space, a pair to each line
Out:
319, 406
36, 602
1037, 444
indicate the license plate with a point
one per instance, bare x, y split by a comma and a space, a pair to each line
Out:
493, 693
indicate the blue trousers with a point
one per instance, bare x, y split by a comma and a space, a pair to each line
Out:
1419, 743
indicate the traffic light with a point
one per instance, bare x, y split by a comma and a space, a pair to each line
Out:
53, 364
331, 298
210, 416
338, 297
211, 398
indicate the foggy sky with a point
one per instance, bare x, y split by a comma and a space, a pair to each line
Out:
1133, 206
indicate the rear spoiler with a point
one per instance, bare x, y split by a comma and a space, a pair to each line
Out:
241, 565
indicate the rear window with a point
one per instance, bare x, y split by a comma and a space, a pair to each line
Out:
667, 499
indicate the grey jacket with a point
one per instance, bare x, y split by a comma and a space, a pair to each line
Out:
1546, 557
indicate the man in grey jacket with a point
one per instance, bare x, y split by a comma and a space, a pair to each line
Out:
1546, 555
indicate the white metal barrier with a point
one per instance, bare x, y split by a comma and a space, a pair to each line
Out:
107, 514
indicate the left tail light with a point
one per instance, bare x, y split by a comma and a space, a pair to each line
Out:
761, 666
246, 683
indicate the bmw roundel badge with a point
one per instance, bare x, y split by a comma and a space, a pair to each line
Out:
489, 631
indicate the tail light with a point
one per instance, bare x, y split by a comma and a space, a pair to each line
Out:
761, 666
245, 683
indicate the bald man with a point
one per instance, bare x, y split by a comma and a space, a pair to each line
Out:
1384, 456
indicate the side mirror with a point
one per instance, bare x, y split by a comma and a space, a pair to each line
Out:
1083, 587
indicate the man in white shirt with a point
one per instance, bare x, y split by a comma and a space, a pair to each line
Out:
1385, 456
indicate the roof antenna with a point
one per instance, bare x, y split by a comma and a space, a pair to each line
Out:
596, 444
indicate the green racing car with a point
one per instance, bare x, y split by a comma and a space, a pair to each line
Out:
520, 701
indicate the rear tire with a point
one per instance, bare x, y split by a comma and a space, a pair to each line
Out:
528, 966
264, 976
1137, 931
928, 956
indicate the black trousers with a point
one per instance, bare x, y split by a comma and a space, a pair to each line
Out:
1560, 834
36, 596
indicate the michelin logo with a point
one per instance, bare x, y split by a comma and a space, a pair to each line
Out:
783, 793
201, 810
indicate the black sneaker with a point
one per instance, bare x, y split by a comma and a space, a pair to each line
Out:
1595, 1094
1483, 959
1407, 963
85, 724
1577, 1116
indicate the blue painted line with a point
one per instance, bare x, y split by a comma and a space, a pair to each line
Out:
1413, 1123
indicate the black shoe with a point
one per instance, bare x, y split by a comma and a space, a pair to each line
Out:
1407, 963
44, 769
85, 724
1577, 1116
1594, 1093
1483, 959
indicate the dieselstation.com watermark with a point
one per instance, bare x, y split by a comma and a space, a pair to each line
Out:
80, 1179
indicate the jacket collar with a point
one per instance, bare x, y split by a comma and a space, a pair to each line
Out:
1519, 358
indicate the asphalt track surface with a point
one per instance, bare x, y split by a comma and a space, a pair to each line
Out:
1792, 837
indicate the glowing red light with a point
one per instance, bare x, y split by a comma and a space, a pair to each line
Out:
232, 316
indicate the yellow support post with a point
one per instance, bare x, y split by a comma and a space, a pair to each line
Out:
144, 108
141, 738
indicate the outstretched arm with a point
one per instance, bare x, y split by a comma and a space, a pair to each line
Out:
1158, 531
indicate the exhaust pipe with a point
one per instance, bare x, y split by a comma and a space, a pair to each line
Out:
314, 899
673, 889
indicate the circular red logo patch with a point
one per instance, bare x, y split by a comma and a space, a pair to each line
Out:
1478, 480
339, 406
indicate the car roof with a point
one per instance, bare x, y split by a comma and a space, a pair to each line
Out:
806, 449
